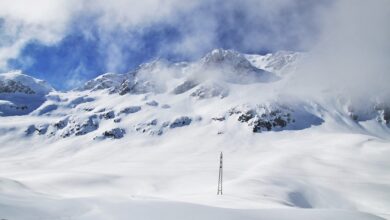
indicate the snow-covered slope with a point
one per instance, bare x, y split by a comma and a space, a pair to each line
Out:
281, 62
21, 94
125, 144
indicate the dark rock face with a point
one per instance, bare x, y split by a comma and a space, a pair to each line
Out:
181, 122
245, 117
130, 110
40, 130
87, 126
107, 115
78, 127
61, 124
267, 120
116, 133
221, 118
12, 86
30, 130
185, 86
274, 117
260, 125
137, 87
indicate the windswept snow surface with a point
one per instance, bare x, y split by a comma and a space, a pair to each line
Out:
146, 146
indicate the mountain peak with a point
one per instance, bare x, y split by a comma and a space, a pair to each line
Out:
21, 94
18, 82
226, 57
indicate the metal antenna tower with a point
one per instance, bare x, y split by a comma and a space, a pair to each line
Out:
219, 192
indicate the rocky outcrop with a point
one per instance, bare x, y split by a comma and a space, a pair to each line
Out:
80, 126
130, 110
210, 91
274, 117
21, 94
107, 115
180, 122
110, 81
116, 133
185, 86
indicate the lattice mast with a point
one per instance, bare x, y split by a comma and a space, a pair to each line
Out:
219, 192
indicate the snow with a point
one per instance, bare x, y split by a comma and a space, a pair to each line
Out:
35, 85
281, 62
98, 154
21, 94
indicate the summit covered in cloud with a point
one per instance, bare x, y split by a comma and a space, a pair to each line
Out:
88, 38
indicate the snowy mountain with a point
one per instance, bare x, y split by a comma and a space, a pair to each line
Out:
280, 63
21, 94
151, 138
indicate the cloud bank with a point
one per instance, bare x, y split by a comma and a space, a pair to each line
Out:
352, 54
70, 41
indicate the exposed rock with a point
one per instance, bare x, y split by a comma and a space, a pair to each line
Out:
61, 124
165, 106
101, 110
87, 126
180, 122
272, 117
108, 115
79, 126
12, 86
185, 86
150, 127
220, 118
116, 133
42, 129
130, 110
110, 81
137, 86
245, 117
210, 91
30, 130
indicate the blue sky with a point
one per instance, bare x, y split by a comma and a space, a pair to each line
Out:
82, 41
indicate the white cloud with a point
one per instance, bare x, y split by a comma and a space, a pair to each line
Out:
48, 21
352, 55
